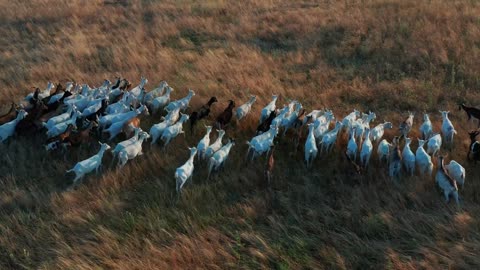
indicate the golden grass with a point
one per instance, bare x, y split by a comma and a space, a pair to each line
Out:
385, 56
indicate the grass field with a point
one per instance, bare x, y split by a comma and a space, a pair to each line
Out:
387, 56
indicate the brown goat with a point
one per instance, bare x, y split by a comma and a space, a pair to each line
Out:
81, 137
129, 126
270, 166
10, 115
224, 118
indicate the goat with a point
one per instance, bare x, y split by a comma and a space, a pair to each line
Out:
423, 160
279, 118
447, 128
181, 103
383, 150
226, 116
201, 113
89, 164
270, 165
121, 145
446, 182
172, 131
367, 148
265, 125
130, 126
60, 118
244, 109
408, 157
426, 127
434, 144
329, 139
298, 122
10, 115
267, 110
406, 125
288, 121
456, 171
472, 112
204, 143
311, 149
474, 148
184, 172
395, 161
8, 129
352, 146
362, 124
132, 150
137, 90
348, 121
61, 127
312, 116
262, 143
161, 101
118, 122
80, 137
215, 146
157, 92
218, 159
322, 125
377, 132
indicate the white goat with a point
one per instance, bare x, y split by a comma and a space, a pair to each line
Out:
311, 149
312, 116
348, 121
8, 129
377, 132
215, 146
137, 90
423, 160
262, 143
60, 118
456, 171
383, 150
289, 119
204, 143
45, 93
322, 124
150, 96
408, 157
267, 110
447, 128
61, 127
218, 159
161, 101
172, 131
117, 126
329, 139
434, 144
244, 109
157, 129
184, 172
121, 145
89, 164
279, 118
367, 148
446, 182
426, 128
181, 103
132, 150
352, 147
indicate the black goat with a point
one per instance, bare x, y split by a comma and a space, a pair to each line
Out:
201, 113
265, 125
474, 148
471, 112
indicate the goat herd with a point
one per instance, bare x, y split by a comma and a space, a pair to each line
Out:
78, 114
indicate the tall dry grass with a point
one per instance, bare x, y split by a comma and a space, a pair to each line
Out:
385, 56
